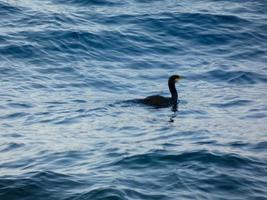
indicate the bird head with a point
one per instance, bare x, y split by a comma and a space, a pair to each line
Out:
175, 78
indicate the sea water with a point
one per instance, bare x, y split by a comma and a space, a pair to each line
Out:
71, 70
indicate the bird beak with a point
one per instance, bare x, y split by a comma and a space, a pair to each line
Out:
180, 77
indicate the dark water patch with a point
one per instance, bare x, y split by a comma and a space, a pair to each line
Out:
14, 116
250, 54
19, 105
56, 102
38, 86
19, 51
59, 70
192, 176
114, 152
65, 158
11, 164
244, 78
61, 86
37, 185
42, 113
96, 110
80, 111
44, 158
8, 71
257, 147
49, 120
104, 193
78, 39
104, 44
89, 3
7, 9
258, 109
232, 77
140, 65
135, 194
123, 18
233, 103
13, 135
239, 144
211, 21
158, 158
79, 101
261, 146
210, 142
200, 135
200, 28
258, 115
44, 43
10, 146
120, 193
224, 183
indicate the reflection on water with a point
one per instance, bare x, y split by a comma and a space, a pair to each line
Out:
175, 110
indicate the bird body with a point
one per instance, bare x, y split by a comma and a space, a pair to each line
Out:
157, 100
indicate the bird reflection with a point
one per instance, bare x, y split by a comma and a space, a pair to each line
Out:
175, 110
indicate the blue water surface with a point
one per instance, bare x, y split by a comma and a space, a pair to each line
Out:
69, 74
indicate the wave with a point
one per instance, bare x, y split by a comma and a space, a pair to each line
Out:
88, 2
44, 185
7, 9
232, 103
231, 77
14, 116
103, 193
38, 185
159, 158
10, 146
120, 194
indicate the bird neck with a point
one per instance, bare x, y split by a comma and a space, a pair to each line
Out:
173, 91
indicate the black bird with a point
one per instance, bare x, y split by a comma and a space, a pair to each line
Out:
160, 101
